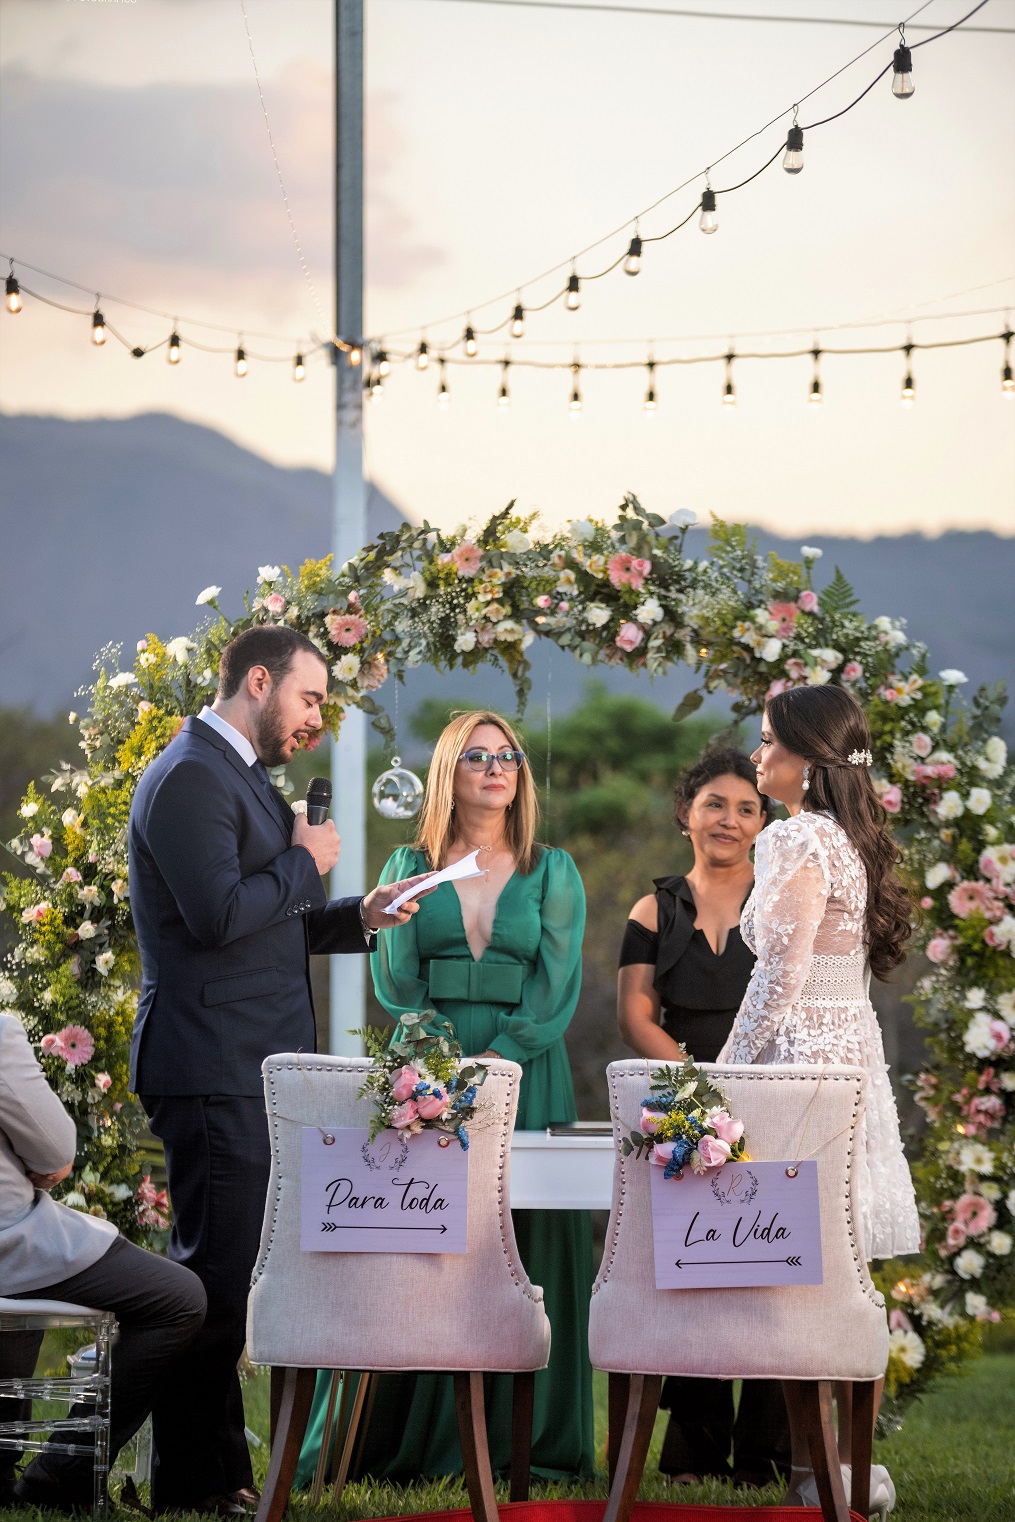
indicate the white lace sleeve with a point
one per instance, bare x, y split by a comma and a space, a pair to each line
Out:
790, 896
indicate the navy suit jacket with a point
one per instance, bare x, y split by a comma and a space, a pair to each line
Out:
227, 913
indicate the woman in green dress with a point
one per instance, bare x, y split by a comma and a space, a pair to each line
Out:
500, 957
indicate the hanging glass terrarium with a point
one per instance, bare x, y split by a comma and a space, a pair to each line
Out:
397, 793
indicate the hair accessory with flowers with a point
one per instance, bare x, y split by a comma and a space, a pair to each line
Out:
686, 1120
861, 758
417, 1083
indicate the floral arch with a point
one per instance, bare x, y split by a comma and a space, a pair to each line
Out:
623, 593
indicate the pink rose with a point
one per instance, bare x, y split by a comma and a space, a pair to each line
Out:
784, 615
345, 628
662, 1152
796, 669
956, 1237
404, 1115
42, 845
275, 603
728, 1130
713, 1151
103, 1082
629, 637
545, 601
403, 1082
852, 671
563, 607
889, 694
72, 875
923, 744
945, 771
941, 948
467, 558
974, 1215
432, 1105
353, 599
1001, 1032
649, 1123
891, 799
926, 902
779, 685
639, 570
807, 602
50, 1045
898, 1321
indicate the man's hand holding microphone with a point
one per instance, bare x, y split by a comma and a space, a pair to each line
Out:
316, 833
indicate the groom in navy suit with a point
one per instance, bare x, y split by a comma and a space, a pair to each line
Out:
228, 904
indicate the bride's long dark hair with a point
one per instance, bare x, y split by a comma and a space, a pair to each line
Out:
825, 726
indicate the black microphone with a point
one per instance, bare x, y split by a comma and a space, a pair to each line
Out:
318, 800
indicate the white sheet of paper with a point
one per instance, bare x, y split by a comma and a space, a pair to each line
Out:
467, 867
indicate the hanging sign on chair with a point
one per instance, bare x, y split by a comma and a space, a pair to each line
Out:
404, 1194
743, 1224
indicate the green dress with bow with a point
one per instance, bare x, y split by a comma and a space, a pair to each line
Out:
518, 1000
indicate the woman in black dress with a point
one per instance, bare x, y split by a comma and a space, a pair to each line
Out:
683, 973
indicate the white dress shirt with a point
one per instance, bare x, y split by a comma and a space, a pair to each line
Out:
239, 742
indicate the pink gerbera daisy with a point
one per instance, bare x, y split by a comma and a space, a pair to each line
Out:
346, 628
76, 1046
466, 558
967, 898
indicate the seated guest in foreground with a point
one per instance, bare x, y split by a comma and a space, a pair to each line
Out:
827, 911
50, 1252
520, 927
683, 972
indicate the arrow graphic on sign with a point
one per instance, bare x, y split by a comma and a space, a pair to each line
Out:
708, 1262
334, 1226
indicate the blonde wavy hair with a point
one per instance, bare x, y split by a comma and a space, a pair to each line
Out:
438, 829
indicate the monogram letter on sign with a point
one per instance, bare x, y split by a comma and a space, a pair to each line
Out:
743, 1224
395, 1194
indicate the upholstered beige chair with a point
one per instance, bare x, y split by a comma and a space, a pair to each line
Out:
808, 1336
466, 1314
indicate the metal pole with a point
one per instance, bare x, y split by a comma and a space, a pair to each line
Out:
349, 531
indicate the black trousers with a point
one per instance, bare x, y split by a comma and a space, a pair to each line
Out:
159, 1306
702, 1429
217, 1159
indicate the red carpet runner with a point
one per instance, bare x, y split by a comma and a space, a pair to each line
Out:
644, 1511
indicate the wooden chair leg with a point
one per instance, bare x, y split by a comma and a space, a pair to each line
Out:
342, 1423
809, 1402
292, 1412
363, 1385
642, 1405
619, 1386
471, 1412
862, 1445
317, 1489
364, 1425
523, 1392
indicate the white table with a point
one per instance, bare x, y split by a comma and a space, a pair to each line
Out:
563, 1168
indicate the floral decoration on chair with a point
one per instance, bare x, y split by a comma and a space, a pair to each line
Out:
685, 1120
416, 1082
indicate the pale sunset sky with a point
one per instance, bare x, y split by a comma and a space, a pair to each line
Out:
501, 140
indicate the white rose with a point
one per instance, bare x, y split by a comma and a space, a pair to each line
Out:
1006, 1006
952, 677
969, 1264
415, 586
908, 1347
976, 998
87, 931
979, 800
650, 611
809, 552
975, 1304
974, 1157
771, 650
28, 810
582, 530
466, 641
937, 874
950, 805
999, 1243
933, 721
266, 574
597, 615
684, 517
208, 595
178, 649
895, 638
346, 669
978, 1038
122, 679
994, 759
516, 541
827, 658
71, 819
817, 676
104, 963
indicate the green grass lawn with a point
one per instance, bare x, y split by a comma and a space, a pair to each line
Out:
952, 1461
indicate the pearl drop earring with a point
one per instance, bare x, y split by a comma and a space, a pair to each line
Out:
807, 777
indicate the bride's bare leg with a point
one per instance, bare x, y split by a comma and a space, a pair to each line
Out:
800, 1455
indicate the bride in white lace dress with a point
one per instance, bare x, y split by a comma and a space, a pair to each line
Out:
827, 910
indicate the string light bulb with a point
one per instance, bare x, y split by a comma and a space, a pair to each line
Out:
299, 369
1007, 383
98, 329
815, 398
376, 384
902, 69
240, 367
573, 299
443, 395
575, 404
729, 396
518, 321
650, 395
908, 384
708, 221
383, 363
793, 158
503, 395
354, 356
632, 264
469, 340
173, 351
13, 290
422, 355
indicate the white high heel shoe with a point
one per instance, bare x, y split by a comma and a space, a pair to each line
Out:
882, 1491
